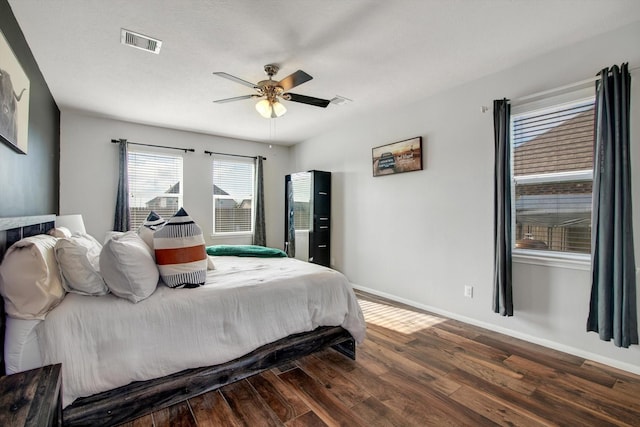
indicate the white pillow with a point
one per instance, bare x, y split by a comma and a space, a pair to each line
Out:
109, 235
60, 232
79, 261
30, 279
128, 268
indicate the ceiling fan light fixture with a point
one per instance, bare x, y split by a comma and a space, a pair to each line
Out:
264, 108
268, 109
278, 108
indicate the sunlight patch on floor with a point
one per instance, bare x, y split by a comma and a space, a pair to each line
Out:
397, 319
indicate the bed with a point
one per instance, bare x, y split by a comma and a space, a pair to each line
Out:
121, 360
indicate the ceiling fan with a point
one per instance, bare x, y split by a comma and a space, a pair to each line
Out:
272, 92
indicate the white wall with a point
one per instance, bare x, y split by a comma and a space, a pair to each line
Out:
419, 237
89, 172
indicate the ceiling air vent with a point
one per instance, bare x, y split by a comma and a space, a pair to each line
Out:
140, 41
340, 100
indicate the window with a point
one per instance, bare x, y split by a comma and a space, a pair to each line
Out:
233, 182
552, 175
155, 184
301, 200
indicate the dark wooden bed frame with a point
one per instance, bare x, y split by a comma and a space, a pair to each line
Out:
140, 398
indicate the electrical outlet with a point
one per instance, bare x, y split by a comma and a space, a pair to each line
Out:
468, 291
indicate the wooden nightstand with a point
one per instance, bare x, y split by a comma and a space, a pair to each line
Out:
32, 398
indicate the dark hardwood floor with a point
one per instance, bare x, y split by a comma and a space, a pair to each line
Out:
419, 369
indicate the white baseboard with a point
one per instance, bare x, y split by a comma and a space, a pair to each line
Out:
634, 369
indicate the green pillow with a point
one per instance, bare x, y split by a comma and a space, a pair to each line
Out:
245, 250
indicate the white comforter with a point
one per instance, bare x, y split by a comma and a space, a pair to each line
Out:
106, 342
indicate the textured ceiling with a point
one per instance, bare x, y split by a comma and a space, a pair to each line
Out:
380, 54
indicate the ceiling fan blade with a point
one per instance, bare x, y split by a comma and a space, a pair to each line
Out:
236, 98
235, 79
317, 102
293, 80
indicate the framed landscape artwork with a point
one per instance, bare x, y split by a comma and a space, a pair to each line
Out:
403, 156
14, 100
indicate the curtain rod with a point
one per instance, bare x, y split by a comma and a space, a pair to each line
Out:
558, 90
115, 141
233, 155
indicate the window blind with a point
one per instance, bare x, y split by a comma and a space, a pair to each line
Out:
155, 183
233, 189
301, 200
552, 172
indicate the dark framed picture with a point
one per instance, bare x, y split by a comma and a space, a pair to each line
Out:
14, 100
398, 157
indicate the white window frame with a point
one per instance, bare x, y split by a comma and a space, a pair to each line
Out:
222, 234
570, 260
158, 153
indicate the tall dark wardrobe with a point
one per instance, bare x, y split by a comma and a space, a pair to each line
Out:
308, 207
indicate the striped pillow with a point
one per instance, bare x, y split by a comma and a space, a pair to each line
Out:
150, 225
180, 252
154, 221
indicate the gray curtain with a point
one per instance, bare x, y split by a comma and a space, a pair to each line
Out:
122, 221
290, 244
259, 230
612, 311
502, 289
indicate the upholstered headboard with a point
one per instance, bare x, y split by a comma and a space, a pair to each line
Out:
12, 230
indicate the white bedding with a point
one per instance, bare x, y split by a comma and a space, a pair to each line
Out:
106, 342
21, 349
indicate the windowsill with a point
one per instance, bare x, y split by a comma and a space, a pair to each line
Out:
552, 259
231, 235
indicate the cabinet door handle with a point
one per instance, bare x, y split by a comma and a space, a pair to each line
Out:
322, 193
324, 226
322, 246
324, 219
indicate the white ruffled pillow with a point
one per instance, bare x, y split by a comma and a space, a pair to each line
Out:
79, 261
128, 268
30, 279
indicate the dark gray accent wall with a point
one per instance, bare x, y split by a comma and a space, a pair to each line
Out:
29, 184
